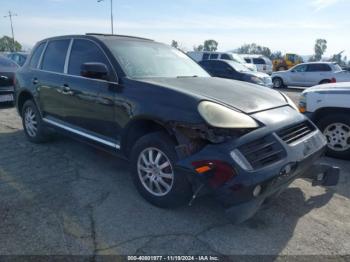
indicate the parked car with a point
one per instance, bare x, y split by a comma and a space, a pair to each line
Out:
7, 72
310, 74
232, 70
329, 107
185, 133
18, 57
262, 63
205, 55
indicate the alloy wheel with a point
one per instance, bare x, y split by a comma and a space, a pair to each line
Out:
338, 136
30, 122
155, 171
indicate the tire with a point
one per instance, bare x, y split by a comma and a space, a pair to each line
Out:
336, 128
33, 125
326, 81
278, 82
179, 190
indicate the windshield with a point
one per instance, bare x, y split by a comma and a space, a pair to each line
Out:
238, 67
7, 64
337, 67
141, 59
238, 58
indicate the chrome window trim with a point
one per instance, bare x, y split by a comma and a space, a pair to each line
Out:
83, 134
65, 68
41, 56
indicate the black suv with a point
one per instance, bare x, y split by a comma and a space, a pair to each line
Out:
185, 133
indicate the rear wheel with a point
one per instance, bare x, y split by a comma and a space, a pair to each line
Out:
326, 81
33, 125
277, 82
336, 129
153, 160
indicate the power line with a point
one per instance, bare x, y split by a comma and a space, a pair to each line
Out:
10, 15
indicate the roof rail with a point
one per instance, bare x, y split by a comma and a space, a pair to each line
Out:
126, 36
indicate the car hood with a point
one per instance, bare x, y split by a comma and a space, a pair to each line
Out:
257, 74
246, 97
332, 87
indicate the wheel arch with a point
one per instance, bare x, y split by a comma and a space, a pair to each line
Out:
139, 127
327, 111
22, 97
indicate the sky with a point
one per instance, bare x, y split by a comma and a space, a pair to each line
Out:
285, 25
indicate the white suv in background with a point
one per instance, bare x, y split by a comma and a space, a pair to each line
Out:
329, 107
262, 63
310, 74
199, 56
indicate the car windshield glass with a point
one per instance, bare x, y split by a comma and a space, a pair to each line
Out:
141, 59
238, 58
238, 67
337, 67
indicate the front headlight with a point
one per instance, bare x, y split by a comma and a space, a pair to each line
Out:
220, 116
290, 102
257, 80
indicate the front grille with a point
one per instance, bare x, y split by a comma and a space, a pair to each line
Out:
296, 132
262, 152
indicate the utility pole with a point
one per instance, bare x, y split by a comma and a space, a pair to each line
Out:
112, 23
10, 15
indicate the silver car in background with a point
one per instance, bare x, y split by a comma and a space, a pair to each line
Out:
310, 74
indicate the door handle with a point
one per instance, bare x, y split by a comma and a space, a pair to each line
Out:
35, 81
66, 90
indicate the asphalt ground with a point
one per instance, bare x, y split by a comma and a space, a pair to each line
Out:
67, 198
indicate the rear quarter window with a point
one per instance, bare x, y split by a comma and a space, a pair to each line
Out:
259, 61
34, 60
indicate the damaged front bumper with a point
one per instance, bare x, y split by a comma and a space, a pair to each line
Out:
245, 172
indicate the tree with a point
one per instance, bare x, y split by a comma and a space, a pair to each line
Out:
198, 48
320, 48
7, 45
210, 45
256, 50
276, 55
175, 44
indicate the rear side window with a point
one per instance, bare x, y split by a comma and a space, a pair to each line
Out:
55, 56
318, 68
205, 56
36, 56
259, 61
214, 56
247, 60
84, 51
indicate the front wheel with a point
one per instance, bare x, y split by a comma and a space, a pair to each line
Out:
153, 160
277, 82
336, 129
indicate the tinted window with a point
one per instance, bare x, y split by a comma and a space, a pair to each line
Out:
226, 57
259, 61
84, 51
36, 55
206, 56
247, 60
206, 65
318, 68
219, 67
55, 55
214, 56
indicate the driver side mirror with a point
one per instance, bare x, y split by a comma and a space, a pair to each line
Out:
94, 70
